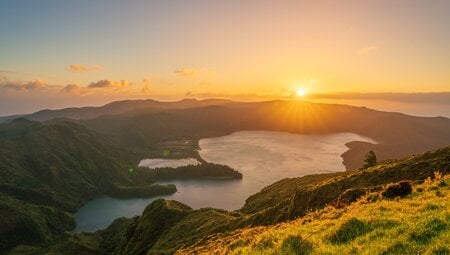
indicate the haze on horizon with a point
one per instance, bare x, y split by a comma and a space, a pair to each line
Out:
56, 54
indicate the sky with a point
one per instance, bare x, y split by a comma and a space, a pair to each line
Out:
56, 54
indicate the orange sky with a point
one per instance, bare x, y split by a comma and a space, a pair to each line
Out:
57, 53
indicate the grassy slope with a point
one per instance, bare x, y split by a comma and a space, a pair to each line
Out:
296, 197
417, 224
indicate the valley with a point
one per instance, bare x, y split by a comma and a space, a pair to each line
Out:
98, 153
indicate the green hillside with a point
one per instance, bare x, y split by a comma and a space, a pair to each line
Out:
416, 224
48, 170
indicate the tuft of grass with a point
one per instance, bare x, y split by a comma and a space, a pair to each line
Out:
264, 244
441, 251
295, 245
238, 244
398, 248
426, 232
350, 230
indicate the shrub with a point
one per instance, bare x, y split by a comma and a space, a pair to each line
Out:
351, 195
370, 160
401, 189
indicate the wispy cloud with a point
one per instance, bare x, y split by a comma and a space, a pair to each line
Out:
74, 89
7, 72
432, 97
23, 86
109, 84
239, 96
368, 49
146, 86
77, 68
101, 85
190, 72
186, 72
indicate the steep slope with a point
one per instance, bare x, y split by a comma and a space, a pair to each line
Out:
48, 170
59, 164
417, 224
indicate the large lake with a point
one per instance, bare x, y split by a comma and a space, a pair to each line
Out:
262, 157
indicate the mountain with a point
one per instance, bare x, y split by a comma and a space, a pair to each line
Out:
147, 126
397, 135
6, 119
119, 107
48, 170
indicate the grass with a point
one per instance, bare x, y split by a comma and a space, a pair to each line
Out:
416, 224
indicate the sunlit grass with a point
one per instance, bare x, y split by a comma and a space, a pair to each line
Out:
416, 224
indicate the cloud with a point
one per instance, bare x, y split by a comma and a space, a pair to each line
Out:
101, 85
109, 84
77, 68
367, 50
146, 86
8, 72
186, 72
243, 96
429, 98
74, 89
23, 86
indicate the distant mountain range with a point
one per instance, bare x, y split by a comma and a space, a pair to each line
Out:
117, 107
145, 124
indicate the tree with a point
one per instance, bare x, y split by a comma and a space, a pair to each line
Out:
370, 160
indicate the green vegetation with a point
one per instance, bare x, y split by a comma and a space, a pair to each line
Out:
48, 170
294, 245
349, 231
201, 171
416, 224
370, 160
296, 200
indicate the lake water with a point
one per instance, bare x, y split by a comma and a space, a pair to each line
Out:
262, 157
159, 162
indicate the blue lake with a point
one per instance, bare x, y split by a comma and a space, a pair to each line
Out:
263, 157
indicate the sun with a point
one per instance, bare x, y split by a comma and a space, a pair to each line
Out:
301, 92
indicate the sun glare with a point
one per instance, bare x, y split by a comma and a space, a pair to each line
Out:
301, 92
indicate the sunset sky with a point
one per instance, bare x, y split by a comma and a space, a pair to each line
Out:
69, 53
